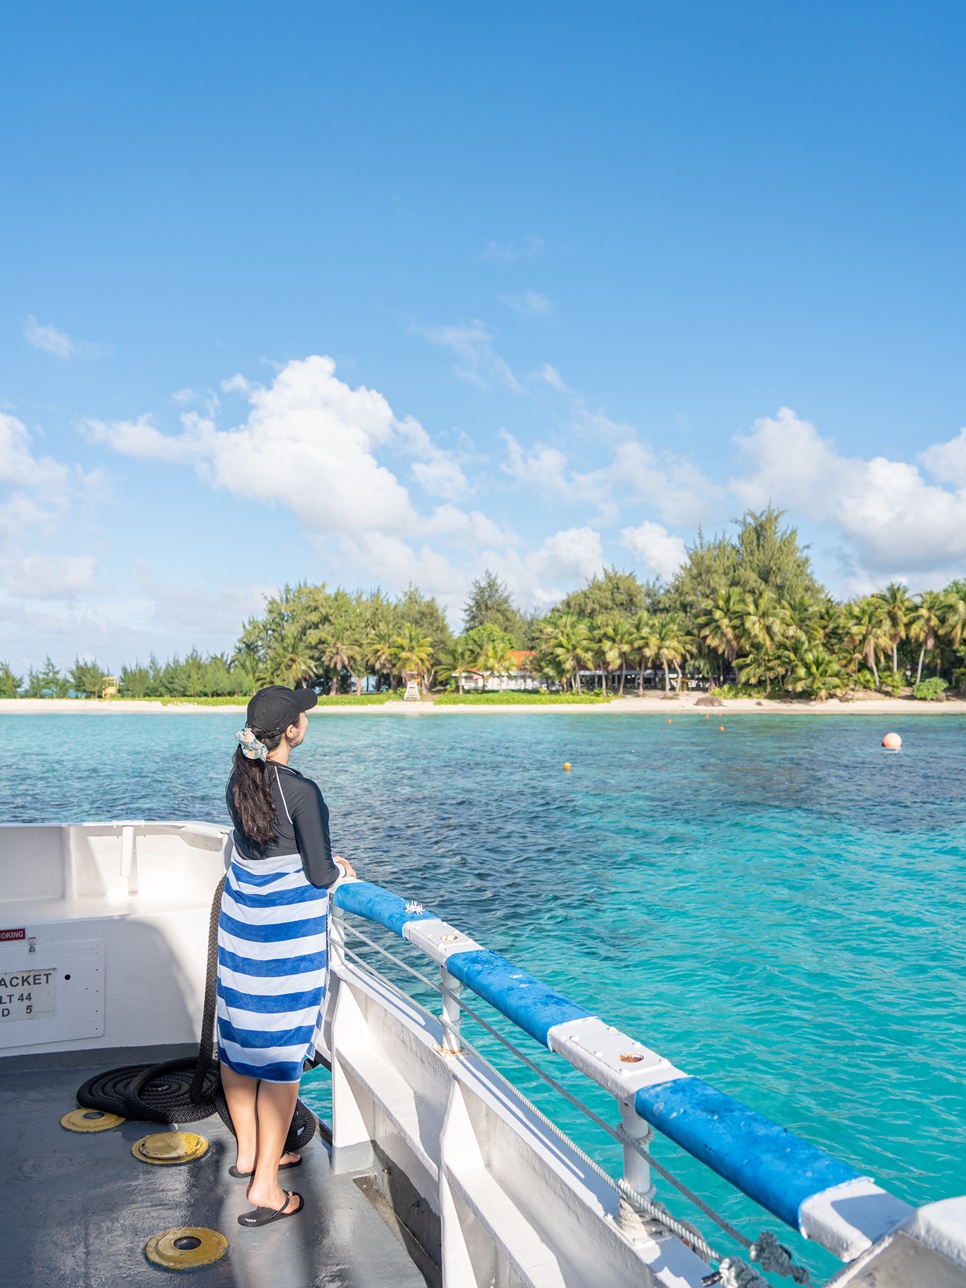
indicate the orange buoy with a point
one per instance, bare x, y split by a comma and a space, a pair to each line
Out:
892, 742
566, 764
669, 722
720, 728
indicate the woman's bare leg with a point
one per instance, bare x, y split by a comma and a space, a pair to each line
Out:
274, 1108
241, 1093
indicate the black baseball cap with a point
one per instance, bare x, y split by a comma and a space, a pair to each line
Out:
272, 710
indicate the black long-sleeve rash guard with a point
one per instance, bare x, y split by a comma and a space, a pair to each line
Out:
301, 823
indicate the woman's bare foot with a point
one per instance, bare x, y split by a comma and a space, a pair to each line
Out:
285, 1161
274, 1201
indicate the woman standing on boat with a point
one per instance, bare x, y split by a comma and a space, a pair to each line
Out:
272, 941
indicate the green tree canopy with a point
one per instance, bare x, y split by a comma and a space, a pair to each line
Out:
10, 684
490, 604
761, 556
47, 682
87, 678
609, 594
770, 558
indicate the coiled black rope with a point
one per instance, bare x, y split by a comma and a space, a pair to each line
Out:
185, 1090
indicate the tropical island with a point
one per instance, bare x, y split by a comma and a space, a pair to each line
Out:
744, 617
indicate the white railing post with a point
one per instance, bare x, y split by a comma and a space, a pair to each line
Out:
451, 1012
336, 934
637, 1172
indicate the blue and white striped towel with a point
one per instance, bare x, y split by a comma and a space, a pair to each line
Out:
271, 967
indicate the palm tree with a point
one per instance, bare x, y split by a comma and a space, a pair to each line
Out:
642, 627
926, 624
570, 647
669, 645
619, 641
954, 618
806, 619
379, 649
764, 624
412, 652
898, 606
720, 624
342, 651
817, 674
493, 657
598, 647
290, 660
456, 660
868, 631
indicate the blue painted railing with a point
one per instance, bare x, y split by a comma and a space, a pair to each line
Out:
771, 1165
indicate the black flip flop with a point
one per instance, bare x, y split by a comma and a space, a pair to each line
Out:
265, 1216
244, 1176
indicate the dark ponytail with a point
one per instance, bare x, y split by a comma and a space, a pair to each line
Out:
252, 792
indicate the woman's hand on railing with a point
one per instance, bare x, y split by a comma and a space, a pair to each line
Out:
345, 865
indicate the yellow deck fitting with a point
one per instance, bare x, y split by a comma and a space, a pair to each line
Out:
90, 1120
186, 1248
170, 1147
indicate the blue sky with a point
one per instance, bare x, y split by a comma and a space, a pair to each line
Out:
376, 293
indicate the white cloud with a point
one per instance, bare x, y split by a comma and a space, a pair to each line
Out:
672, 484
143, 440
39, 576
510, 252
50, 340
35, 491
569, 557
47, 338
947, 461
547, 470
530, 303
19, 467
387, 560
472, 342
896, 523
308, 443
191, 613
663, 552
542, 576
550, 376
441, 476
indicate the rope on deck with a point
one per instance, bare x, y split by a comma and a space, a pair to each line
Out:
187, 1090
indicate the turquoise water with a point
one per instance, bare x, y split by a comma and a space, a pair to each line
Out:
779, 908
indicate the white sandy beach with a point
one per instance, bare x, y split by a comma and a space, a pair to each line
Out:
652, 704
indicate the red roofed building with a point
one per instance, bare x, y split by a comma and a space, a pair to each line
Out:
520, 677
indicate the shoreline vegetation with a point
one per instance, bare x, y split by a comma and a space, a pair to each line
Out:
744, 618
652, 704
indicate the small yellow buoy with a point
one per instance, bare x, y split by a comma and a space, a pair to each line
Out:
186, 1247
892, 742
90, 1120
566, 764
170, 1147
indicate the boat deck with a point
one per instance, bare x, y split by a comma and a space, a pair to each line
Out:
78, 1208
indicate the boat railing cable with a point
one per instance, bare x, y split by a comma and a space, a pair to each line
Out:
802, 1185
731, 1272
